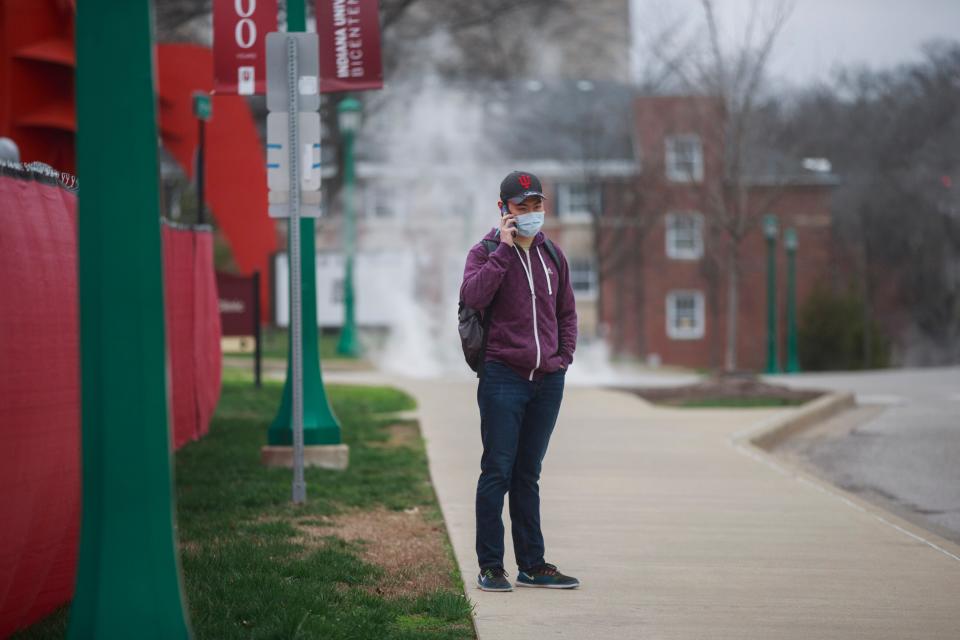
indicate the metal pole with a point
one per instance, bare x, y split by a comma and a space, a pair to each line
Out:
257, 332
200, 152
793, 360
348, 345
296, 291
772, 365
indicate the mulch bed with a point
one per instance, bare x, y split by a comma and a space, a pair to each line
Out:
736, 386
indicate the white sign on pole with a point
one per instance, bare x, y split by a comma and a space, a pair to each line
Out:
308, 59
311, 205
279, 103
278, 169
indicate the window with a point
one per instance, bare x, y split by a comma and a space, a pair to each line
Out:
382, 202
684, 158
578, 199
685, 236
583, 277
685, 315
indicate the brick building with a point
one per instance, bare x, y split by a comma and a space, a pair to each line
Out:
667, 302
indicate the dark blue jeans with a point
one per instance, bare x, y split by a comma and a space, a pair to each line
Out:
516, 419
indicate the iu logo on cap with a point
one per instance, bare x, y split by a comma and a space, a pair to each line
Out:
524, 180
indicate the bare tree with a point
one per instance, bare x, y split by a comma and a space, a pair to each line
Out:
737, 80
733, 76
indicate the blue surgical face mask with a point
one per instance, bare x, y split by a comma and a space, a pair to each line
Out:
528, 224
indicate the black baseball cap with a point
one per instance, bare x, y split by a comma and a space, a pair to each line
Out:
520, 185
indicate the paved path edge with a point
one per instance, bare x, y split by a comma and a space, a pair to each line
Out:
757, 442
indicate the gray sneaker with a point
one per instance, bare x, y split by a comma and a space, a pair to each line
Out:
493, 579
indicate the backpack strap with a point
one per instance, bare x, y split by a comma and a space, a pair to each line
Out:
552, 250
490, 245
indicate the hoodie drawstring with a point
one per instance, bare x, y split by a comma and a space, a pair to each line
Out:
546, 272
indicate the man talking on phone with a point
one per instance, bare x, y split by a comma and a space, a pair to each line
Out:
524, 286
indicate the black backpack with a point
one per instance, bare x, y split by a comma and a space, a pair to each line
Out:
474, 324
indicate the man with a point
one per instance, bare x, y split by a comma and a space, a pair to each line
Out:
525, 284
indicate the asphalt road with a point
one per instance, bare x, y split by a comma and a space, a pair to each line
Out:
901, 450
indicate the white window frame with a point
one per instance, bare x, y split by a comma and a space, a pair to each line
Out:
590, 293
697, 331
565, 211
675, 252
674, 173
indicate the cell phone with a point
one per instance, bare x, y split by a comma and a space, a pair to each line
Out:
504, 210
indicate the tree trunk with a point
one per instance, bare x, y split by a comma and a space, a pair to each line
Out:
599, 266
867, 312
639, 306
616, 337
733, 307
713, 306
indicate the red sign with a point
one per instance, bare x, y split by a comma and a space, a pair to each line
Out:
349, 33
237, 295
240, 28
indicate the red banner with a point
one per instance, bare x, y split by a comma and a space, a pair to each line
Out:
349, 33
240, 28
40, 384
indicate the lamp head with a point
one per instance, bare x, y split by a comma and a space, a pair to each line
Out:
770, 226
790, 239
349, 115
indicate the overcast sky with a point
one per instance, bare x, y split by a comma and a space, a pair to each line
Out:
822, 34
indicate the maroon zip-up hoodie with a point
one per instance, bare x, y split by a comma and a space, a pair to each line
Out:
501, 280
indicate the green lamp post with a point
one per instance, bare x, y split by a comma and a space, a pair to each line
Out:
348, 115
320, 426
790, 242
770, 232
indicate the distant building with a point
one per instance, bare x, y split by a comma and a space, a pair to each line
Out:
631, 184
668, 303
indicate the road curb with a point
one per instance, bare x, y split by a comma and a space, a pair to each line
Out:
769, 434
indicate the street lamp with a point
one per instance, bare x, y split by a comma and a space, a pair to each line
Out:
790, 242
203, 110
770, 231
348, 118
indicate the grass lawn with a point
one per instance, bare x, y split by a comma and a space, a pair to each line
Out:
275, 344
366, 557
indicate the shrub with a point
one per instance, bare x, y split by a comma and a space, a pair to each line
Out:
831, 334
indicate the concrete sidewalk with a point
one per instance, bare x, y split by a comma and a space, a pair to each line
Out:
677, 532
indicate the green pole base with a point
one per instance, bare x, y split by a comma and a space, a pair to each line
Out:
320, 425
348, 346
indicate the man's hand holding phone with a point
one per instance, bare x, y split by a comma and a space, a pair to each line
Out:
508, 229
